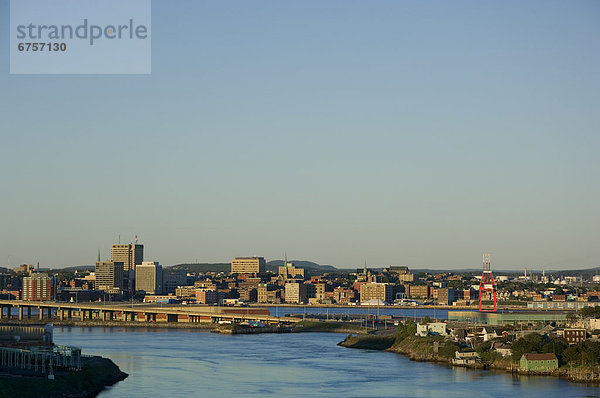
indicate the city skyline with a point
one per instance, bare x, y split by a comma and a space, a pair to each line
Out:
394, 132
535, 268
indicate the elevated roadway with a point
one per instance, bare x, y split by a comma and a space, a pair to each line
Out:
123, 311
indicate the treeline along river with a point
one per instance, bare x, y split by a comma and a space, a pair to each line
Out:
189, 362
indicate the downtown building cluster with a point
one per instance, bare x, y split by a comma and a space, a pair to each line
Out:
127, 275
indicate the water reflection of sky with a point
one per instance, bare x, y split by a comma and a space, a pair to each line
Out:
181, 362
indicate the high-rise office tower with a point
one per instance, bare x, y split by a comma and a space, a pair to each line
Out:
130, 254
37, 287
109, 275
148, 277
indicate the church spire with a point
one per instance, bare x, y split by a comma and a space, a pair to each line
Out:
98, 255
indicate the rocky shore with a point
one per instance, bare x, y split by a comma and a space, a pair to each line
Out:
300, 327
97, 374
421, 349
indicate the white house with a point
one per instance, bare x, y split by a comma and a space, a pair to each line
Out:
437, 328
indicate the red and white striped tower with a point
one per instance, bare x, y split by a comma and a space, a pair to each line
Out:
487, 286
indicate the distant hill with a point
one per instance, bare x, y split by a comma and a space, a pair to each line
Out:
79, 268
273, 266
316, 269
586, 273
200, 267
313, 268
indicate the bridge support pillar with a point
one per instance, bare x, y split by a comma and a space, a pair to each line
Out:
28, 312
82, 314
21, 313
41, 314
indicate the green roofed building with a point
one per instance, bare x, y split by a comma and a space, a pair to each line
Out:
538, 362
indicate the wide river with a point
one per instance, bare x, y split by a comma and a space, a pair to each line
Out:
184, 363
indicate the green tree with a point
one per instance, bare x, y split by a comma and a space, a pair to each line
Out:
404, 330
590, 352
570, 356
454, 284
556, 346
590, 312
531, 343
448, 349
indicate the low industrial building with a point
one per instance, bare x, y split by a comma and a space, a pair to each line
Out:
561, 305
507, 317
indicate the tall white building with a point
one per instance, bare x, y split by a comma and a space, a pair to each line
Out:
149, 277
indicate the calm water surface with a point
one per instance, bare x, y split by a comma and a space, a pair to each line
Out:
178, 362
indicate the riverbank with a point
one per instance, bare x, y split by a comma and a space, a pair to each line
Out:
436, 349
111, 324
300, 327
97, 373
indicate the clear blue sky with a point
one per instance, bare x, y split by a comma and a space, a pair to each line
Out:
400, 132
